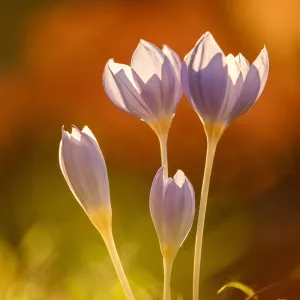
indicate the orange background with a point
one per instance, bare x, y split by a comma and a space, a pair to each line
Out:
52, 59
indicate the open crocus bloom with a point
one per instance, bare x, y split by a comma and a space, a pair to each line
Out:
83, 166
222, 88
150, 88
172, 207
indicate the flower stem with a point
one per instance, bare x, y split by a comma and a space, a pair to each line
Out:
111, 247
210, 153
168, 263
163, 139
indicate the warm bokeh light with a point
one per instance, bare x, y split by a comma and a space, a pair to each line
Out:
52, 58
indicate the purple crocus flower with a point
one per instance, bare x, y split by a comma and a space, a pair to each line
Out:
149, 88
172, 207
83, 166
219, 87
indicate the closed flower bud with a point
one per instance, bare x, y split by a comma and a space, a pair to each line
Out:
172, 207
149, 88
84, 169
222, 88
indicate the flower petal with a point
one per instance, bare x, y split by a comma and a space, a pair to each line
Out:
176, 64
111, 87
84, 168
122, 90
173, 205
205, 73
179, 178
157, 79
243, 64
156, 200
174, 60
65, 143
88, 131
262, 65
189, 211
254, 84
235, 84
147, 60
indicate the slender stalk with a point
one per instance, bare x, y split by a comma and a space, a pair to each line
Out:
163, 139
111, 247
168, 264
210, 153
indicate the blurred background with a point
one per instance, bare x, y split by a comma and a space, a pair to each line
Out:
52, 55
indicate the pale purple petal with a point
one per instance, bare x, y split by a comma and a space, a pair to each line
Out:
111, 87
204, 76
64, 144
156, 200
84, 168
189, 211
173, 211
185, 77
151, 94
176, 64
243, 64
88, 131
156, 79
235, 84
254, 84
262, 65
147, 60
130, 100
174, 60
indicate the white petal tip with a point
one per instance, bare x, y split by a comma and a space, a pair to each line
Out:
76, 133
165, 48
207, 35
143, 42
86, 129
110, 63
230, 56
65, 132
179, 178
89, 133
265, 51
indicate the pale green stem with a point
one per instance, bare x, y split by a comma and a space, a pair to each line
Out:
163, 139
168, 263
210, 153
111, 247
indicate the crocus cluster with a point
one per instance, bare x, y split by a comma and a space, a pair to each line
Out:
219, 88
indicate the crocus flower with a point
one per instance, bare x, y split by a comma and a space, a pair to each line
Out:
84, 169
219, 87
83, 166
172, 207
149, 88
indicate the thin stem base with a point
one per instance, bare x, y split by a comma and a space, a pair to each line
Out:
168, 264
211, 149
111, 247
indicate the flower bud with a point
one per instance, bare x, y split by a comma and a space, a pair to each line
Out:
172, 207
83, 166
